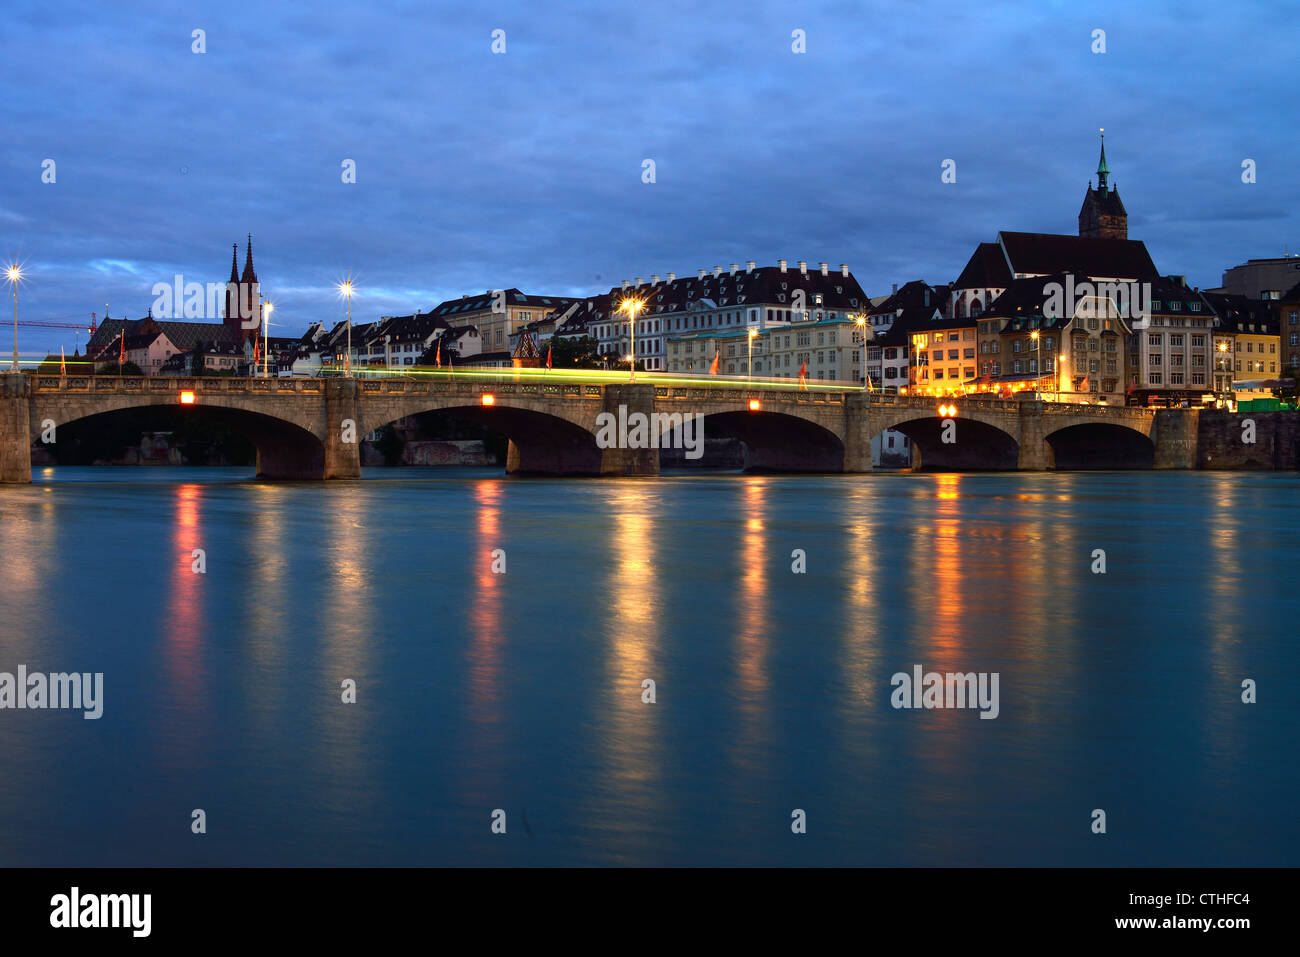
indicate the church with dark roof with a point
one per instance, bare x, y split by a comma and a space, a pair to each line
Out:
1103, 215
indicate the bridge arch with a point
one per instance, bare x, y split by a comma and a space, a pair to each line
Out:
541, 442
285, 450
776, 441
1079, 445
977, 445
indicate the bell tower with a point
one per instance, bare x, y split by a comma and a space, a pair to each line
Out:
1103, 215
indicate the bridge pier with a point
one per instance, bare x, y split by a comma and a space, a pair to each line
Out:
15, 429
637, 398
1176, 438
1035, 452
342, 405
857, 433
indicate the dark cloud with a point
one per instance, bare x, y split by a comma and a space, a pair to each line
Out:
477, 170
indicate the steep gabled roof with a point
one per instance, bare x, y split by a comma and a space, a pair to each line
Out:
986, 269
1042, 254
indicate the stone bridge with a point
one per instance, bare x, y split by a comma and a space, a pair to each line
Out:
311, 428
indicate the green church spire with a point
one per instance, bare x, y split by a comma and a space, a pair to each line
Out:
1103, 170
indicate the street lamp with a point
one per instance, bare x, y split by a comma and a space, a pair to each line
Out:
861, 321
750, 367
345, 290
1038, 364
631, 306
13, 274
267, 309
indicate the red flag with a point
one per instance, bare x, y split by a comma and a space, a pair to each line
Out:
63, 366
713, 366
803, 373
121, 351
548, 357
1083, 387
437, 355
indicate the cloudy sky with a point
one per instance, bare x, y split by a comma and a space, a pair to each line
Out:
477, 170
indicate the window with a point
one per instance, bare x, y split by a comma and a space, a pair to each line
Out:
1198, 342
1156, 359
1154, 340
968, 353
1175, 378
1175, 340
1156, 378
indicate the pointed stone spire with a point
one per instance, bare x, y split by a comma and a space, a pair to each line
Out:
1103, 170
234, 262
249, 274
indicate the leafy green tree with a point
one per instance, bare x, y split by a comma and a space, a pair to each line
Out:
580, 353
390, 445
128, 368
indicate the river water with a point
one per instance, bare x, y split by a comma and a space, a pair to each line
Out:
523, 691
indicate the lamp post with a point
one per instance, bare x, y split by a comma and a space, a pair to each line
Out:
267, 309
861, 321
345, 290
750, 366
1038, 365
631, 306
13, 274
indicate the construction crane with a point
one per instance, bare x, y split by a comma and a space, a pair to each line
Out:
51, 324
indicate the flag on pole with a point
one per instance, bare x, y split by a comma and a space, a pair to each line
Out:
121, 350
437, 354
870, 386
548, 357
63, 365
803, 375
1083, 387
713, 366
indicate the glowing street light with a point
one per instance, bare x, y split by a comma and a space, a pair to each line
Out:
630, 306
345, 290
1038, 363
861, 320
267, 309
14, 273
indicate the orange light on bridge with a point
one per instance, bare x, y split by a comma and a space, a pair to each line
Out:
754, 405
488, 399
187, 398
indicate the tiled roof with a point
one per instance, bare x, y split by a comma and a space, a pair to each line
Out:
986, 269
1046, 253
765, 285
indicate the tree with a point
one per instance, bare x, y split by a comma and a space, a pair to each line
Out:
577, 353
390, 445
128, 368
197, 361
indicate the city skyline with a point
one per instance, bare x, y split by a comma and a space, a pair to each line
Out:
534, 178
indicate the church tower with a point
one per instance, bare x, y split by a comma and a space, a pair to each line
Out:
1103, 215
242, 287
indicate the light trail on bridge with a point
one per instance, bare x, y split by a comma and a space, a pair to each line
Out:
594, 377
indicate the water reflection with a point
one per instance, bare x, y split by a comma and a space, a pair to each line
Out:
485, 705
628, 729
754, 628
348, 639
184, 631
